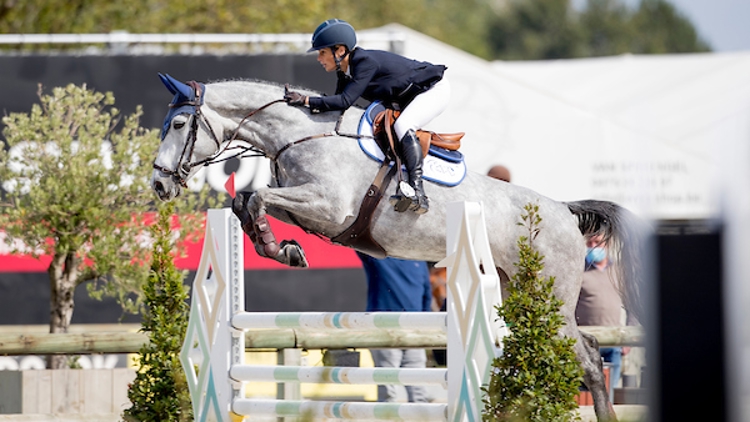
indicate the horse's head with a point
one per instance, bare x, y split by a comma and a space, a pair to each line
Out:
187, 139
201, 127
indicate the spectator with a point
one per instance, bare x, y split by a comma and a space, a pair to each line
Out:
600, 304
439, 287
404, 286
499, 172
439, 295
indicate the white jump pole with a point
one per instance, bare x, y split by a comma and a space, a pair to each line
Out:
339, 320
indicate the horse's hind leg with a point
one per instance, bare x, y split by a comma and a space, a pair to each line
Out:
259, 231
587, 350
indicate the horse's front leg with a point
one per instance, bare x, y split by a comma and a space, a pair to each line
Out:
256, 226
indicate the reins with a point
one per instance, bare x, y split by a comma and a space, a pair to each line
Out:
256, 151
183, 168
249, 115
320, 135
259, 152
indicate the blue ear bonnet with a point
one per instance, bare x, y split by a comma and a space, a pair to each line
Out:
183, 94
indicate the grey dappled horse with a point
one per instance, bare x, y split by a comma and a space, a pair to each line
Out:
320, 181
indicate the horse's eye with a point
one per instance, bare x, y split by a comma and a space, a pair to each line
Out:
177, 124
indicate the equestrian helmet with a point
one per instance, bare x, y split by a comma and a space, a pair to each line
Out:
333, 32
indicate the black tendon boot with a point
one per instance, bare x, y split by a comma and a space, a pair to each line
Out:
411, 152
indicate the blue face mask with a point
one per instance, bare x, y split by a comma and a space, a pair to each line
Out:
595, 255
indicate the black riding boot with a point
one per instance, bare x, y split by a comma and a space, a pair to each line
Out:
411, 153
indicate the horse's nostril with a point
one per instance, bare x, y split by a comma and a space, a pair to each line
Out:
158, 187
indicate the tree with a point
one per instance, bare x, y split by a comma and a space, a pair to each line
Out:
507, 30
607, 28
660, 28
535, 30
462, 24
552, 29
68, 16
148, 16
159, 391
537, 376
75, 176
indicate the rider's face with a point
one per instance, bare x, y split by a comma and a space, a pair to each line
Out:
326, 59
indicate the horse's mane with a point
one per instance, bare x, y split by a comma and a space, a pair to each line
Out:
264, 82
356, 108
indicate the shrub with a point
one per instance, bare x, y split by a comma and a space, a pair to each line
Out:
537, 376
159, 391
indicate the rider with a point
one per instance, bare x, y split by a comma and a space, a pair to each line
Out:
415, 88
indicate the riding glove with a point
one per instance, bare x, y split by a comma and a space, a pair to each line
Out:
293, 98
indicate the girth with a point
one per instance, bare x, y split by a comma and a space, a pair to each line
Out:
359, 235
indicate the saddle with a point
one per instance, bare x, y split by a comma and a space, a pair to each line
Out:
358, 235
382, 129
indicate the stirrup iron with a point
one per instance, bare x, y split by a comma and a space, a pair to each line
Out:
404, 197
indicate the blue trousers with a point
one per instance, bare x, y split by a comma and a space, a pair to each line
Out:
400, 358
613, 356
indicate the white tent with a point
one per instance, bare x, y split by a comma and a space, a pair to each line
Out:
648, 132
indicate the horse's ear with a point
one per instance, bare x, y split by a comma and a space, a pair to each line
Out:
166, 83
174, 86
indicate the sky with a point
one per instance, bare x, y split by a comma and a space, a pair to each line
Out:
724, 24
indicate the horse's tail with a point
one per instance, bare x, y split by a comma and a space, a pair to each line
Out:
624, 233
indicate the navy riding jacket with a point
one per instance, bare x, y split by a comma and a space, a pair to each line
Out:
379, 75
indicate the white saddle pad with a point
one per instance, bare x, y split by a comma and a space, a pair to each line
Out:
435, 169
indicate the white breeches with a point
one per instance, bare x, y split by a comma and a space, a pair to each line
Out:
424, 108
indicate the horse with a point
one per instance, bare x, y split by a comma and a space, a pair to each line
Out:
320, 177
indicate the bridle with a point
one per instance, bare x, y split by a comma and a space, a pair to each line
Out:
184, 166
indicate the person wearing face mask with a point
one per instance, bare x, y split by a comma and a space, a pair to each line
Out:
600, 304
416, 89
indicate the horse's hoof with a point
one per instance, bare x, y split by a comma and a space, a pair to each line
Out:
294, 253
239, 208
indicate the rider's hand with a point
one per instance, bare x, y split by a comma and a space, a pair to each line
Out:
293, 98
